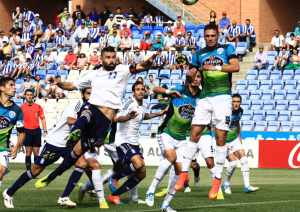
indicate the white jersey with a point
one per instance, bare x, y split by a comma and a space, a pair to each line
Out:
128, 132
61, 130
108, 87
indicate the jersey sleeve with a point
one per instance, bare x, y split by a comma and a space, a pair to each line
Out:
84, 81
73, 109
175, 88
132, 69
41, 113
126, 109
231, 52
195, 61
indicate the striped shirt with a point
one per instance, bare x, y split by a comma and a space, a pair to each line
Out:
158, 59
248, 30
166, 29
30, 66
190, 41
159, 19
38, 59
103, 39
60, 40
285, 55
7, 68
81, 61
27, 35
126, 59
28, 16
234, 31
15, 65
180, 41
94, 32
79, 22
148, 19
29, 50
171, 58
57, 28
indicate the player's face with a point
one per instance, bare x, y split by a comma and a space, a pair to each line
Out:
29, 96
211, 38
236, 103
109, 60
139, 92
9, 89
86, 95
197, 80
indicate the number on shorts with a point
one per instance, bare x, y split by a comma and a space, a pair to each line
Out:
227, 120
48, 155
112, 75
212, 149
6, 158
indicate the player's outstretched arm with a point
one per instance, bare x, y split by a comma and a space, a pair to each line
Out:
190, 76
63, 85
133, 114
161, 90
14, 150
153, 115
146, 65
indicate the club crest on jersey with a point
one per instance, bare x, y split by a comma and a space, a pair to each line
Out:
36, 115
213, 60
186, 111
12, 114
220, 50
4, 122
42, 161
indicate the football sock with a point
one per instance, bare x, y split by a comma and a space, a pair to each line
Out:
83, 120
134, 191
107, 175
186, 184
171, 176
229, 171
125, 171
221, 152
23, 179
129, 184
28, 162
197, 170
0, 183
67, 163
98, 184
171, 192
212, 173
189, 152
245, 170
160, 173
73, 180
87, 187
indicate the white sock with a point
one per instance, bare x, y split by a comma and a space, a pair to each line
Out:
88, 186
221, 152
107, 175
98, 184
134, 191
189, 152
0, 183
245, 170
160, 173
171, 192
171, 176
229, 171
212, 173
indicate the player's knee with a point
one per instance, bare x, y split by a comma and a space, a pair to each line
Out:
244, 161
95, 166
172, 158
194, 165
233, 164
139, 165
210, 163
82, 164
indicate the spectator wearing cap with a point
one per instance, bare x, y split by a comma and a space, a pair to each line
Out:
36, 21
148, 19
110, 22
170, 59
37, 33
132, 15
181, 22
277, 42
137, 58
114, 40
25, 85
297, 32
16, 28
93, 34
59, 42
70, 42
179, 28
75, 13
79, 20
60, 27
48, 63
233, 34
5, 50
28, 68
159, 18
81, 62
6, 68
129, 22
158, 42
103, 40
159, 61
27, 15
17, 67
26, 33
94, 60
88, 22
55, 17
38, 60
126, 41
47, 36
169, 41
146, 41
81, 33
190, 42
125, 29
119, 16
247, 34
3, 38
179, 42
224, 24
114, 27
104, 15
17, 16
70, 60
62, 15
68, 23
94, 15
168, 28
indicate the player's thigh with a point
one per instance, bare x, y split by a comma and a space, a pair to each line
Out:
28, 141
137, 161
166, 144
222, 110
92, 162
179, 149
231, 157
178, 167
240, 153
4, 161
203, 112
2, 171
36, 150
206, 147
237, 148
81, 162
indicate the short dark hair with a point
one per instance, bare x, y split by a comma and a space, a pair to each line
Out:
190, 32
292, 34
119, 8
62, 32
84, 90
179, 51
236, 95
107, 49
276, 30
150, 75
27, 21
211, 27
28, 75
5, 59
28, 90
135, 84
5, 80
164, 86
58, 76
284, 48
248, 19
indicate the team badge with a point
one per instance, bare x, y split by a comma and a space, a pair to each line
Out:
220, 50
12, 114
42, 161
133, 151
211, 57
36, 115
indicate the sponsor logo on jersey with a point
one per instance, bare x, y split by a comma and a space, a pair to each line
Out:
213, 60
42, 161
12, 114
4, 122
220, 50
186, 111
36, 115
202, 55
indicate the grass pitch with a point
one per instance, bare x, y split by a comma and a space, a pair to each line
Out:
279, 191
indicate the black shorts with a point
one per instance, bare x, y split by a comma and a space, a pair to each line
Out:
127, 151
96, 129
33, 137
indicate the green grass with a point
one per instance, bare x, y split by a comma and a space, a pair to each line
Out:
279, 191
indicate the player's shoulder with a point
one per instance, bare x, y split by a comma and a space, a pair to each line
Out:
224, 46
128, 104
241, 110
15, 108
122, 68
145, 105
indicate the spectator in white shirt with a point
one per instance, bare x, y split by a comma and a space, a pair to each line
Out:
70, 42
129, 22
260, 59
68, 22
233, 34
81, 33
168, 28
23, 57
15, 41
48, 34
2, 38
181, 22
248, 34
169, 41
291, 42
48, 62
281, 59
277, 42
148, 19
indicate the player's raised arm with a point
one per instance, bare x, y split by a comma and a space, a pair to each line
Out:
69, 86
146, 65
153, 115
161, 90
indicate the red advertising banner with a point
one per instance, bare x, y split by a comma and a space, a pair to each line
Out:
279, 154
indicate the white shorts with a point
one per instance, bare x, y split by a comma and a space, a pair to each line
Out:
165, 142
111, 150
88, 155
4, 160
215, 110
235, 145
205, 146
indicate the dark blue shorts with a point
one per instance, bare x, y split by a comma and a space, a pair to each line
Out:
127, 151
33, 137
50, 154
96, 129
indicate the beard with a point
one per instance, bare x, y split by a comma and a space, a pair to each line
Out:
109, 67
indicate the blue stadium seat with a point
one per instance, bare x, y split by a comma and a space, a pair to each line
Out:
290, 84
251, 75
18, 85
177, 72
273, 126
185, 71
174, 76
247, 115
42, 73
282, 105
52, 72
154, 127
166, 82
232, 44
263, 75
128, 95
246, 104
18, 101
296, 127
144, 126
150, 28
298, 85
191, 28
244, 94
271, 115
295, 116
131, 81
267, 94
248, 125
153, 102
255, 94
161, 28
280, 94
257, 105
143, 75
286, 126
258, 115
253, 85
147, 101
294, 105
234, 92
164, 73
153, 71
274, 75
18, 90
136, 37
177, 82
284, 116
129, 88
272, 53
265, 85
277, 84
297, 74
145, 135
19, 81
288, 74
62, 72
200, 32
241, 85
269, 105
292, 94
261, 126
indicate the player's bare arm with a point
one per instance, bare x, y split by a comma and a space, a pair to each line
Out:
71, 121
238, 130
190, 76
133, 114
153, 115
146, 65
161, 90
63, 85
14, 150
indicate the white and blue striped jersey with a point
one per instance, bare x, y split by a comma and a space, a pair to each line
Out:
35, 22
158, 59
126, 59
15, 65
27, 35
234, 31
38, 59
171, 58
94, 32
103, 39
190, 41
29, 50
190, 58
166, 29
7, 68
147, 19
159, 19
248, 30
180, 41
60, 40
30, 66
28, 16
57, 28
285, 55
